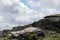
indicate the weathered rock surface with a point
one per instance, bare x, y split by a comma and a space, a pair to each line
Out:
23, 34
51, 22
27, 30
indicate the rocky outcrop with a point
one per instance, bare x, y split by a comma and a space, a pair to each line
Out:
53, 16
18, 28
26, 32
51, 23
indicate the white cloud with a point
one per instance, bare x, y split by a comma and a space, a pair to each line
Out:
44, 3
45, 7
14, 12
23, 18
1, 19
11, 11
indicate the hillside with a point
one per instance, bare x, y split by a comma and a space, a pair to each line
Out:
51, 22
44, 29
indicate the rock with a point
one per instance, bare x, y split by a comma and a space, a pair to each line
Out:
53, 16
17, 28
51, 22
9, 35
31, 29
27, 30
1, 33
23, 34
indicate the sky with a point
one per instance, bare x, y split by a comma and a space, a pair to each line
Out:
23, 12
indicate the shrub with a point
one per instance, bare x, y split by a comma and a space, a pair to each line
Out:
33, 37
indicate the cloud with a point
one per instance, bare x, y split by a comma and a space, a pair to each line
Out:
14, 12
1, 19
44, 3
45, 7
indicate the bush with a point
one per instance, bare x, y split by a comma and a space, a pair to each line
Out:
33, 37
